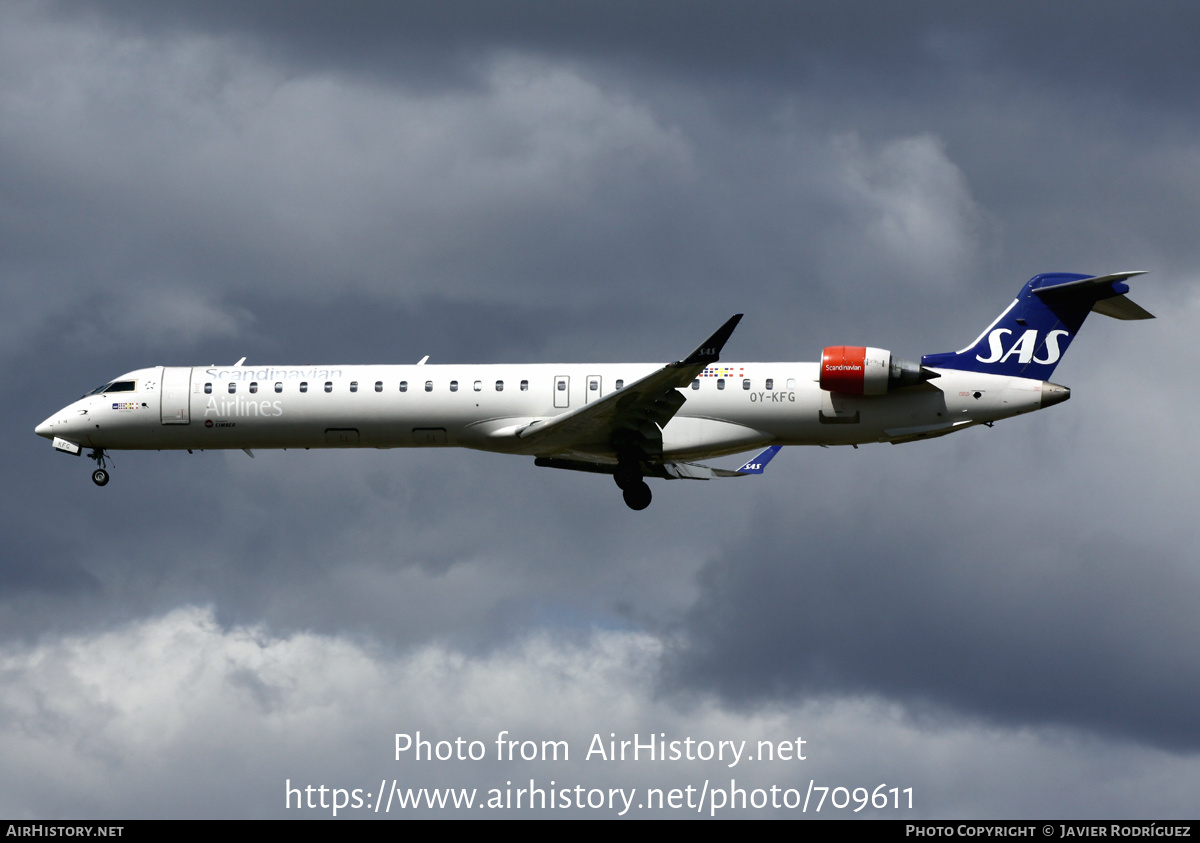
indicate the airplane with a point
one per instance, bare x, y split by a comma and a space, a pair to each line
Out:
631, 421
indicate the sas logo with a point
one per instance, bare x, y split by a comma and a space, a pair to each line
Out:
1023, 347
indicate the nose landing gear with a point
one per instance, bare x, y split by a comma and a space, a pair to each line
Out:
100, 476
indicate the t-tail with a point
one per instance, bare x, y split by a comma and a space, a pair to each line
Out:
1029, 338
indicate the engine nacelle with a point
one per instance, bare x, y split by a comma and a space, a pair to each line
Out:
855, 370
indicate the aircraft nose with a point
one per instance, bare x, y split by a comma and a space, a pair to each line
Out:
46, 428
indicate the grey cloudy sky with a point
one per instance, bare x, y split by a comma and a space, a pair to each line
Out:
1003, 620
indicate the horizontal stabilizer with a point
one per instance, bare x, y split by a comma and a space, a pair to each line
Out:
1083, 286
1120, 307
1106, 291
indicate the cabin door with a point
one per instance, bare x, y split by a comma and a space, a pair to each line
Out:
176, 388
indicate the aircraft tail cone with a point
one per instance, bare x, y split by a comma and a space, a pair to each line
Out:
1053, 394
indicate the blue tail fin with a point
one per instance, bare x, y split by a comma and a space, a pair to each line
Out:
1029, 338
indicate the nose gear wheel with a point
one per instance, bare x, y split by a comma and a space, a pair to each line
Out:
100, 476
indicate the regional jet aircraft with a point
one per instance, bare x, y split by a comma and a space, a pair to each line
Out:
631, 421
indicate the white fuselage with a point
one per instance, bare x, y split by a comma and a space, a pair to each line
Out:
731, 407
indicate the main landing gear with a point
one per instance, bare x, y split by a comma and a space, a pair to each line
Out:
100, 476
633, 487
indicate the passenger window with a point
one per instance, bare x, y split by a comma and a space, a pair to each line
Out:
791, 383
745, 383
404, 386
454, 386
770, 383
524, 386
208, 389
620, 383
696, 383
720, 383
304, 386
232, 387
379, 386
478, 385
429, 386
253, 386
329, 386
354, 386
562, 386
499, 386
593, 386
278, 386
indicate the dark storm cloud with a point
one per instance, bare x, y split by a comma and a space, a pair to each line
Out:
190, 183
1143, 52
184, 261
1035, 628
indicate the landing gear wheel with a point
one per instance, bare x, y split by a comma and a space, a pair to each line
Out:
637, 496
627, 476
100, 477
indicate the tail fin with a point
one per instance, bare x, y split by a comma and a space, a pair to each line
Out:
1029, 338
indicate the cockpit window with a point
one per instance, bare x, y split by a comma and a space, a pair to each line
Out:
115, 386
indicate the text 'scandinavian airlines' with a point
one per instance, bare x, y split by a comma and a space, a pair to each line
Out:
629, 420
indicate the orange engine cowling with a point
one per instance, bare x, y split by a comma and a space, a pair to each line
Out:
855, 370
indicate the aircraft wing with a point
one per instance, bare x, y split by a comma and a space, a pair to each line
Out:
633, 416
669, 470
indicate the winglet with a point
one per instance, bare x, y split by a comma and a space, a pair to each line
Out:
710, 350
759, 461
696, 471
